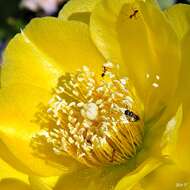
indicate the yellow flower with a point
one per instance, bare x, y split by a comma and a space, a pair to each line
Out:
96, 99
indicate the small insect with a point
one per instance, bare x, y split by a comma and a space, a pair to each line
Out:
131, 115
133, 14
104, 71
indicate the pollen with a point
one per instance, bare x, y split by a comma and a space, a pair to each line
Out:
90, 111
96, 120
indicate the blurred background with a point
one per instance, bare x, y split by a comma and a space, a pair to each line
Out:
15, 14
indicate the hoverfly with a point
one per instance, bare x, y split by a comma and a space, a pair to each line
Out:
131, 115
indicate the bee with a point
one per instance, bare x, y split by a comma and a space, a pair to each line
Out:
133, 14
131, 115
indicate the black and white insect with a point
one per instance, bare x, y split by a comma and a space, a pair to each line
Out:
131, 115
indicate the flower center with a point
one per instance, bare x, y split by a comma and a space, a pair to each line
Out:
96, 120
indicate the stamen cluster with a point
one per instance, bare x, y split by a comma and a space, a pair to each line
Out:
96, 120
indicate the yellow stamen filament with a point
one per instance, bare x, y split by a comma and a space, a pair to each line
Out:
97, 121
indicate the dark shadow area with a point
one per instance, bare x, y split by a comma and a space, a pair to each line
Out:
182, 1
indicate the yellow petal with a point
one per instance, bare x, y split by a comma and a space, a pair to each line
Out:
171, 135
137, 187
145, 46
11, 183
131, 179
162, 139
65, 46
183, 150
19, 103
38, 184
179, 17
50, 181
184, 82
6, 171
104, 178
78, 10
68, 43
184, 89
166, 177
25, 63
32, 64
103, 29
179, 150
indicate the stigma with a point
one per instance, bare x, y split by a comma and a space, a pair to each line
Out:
96, 120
